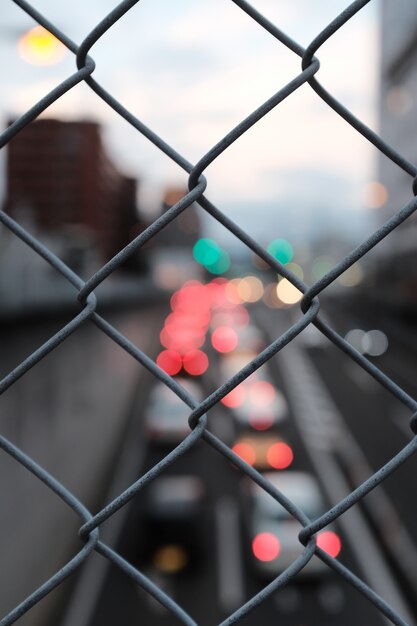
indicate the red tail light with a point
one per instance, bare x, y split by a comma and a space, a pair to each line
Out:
234, 398
264, 422
170, 361
266, 547
224, 339
330, 542
195, 362
246, 452
280, 455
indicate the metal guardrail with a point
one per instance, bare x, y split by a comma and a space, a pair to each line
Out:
310, 314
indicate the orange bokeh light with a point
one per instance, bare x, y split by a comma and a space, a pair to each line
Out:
280, 455
40, 47
246, 452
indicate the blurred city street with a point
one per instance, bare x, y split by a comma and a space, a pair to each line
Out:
191, 532
208, 313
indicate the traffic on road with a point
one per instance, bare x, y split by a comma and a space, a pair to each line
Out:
211, 538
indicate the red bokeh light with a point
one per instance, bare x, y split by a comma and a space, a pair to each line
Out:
214, 292
280, 455
170, 361
245, 451
266, 547
261, 422
191, 298
165, 339
195, 362
198, 320
224, 339
216, 289
329, 542
234, 398
182, 339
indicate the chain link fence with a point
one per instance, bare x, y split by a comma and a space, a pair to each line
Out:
199, 418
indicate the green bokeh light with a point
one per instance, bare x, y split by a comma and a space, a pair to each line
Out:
221, 265
207, 252
282, 250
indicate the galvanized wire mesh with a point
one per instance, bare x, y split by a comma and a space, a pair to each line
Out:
198, 420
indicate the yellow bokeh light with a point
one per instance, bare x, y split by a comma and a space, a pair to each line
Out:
39, 47
287, 293
170, 559
250, 289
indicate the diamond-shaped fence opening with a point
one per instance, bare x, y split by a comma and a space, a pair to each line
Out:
201, 411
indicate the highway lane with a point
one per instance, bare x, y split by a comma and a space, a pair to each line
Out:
354, 415
379, 425
222, 578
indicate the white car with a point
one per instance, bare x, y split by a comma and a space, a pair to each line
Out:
274, 532
166, 416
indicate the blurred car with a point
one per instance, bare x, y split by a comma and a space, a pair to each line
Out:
262, 406
231, 363
166, 416
256, 402
264, 451
274, 532
174, 519
250, 337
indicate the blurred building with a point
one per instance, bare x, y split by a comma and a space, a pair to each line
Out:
393, 272
185, 229
171, 250
398, 111
60, 176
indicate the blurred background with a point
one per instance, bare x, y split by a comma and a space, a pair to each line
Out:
306, 186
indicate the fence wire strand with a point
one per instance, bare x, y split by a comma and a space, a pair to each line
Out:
309, 315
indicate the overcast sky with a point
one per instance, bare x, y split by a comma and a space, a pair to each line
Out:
191, 70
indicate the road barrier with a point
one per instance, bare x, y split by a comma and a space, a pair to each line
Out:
310, 314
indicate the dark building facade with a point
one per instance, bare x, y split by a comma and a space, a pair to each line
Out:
395, 258
398, 107
185, 229
60, 173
